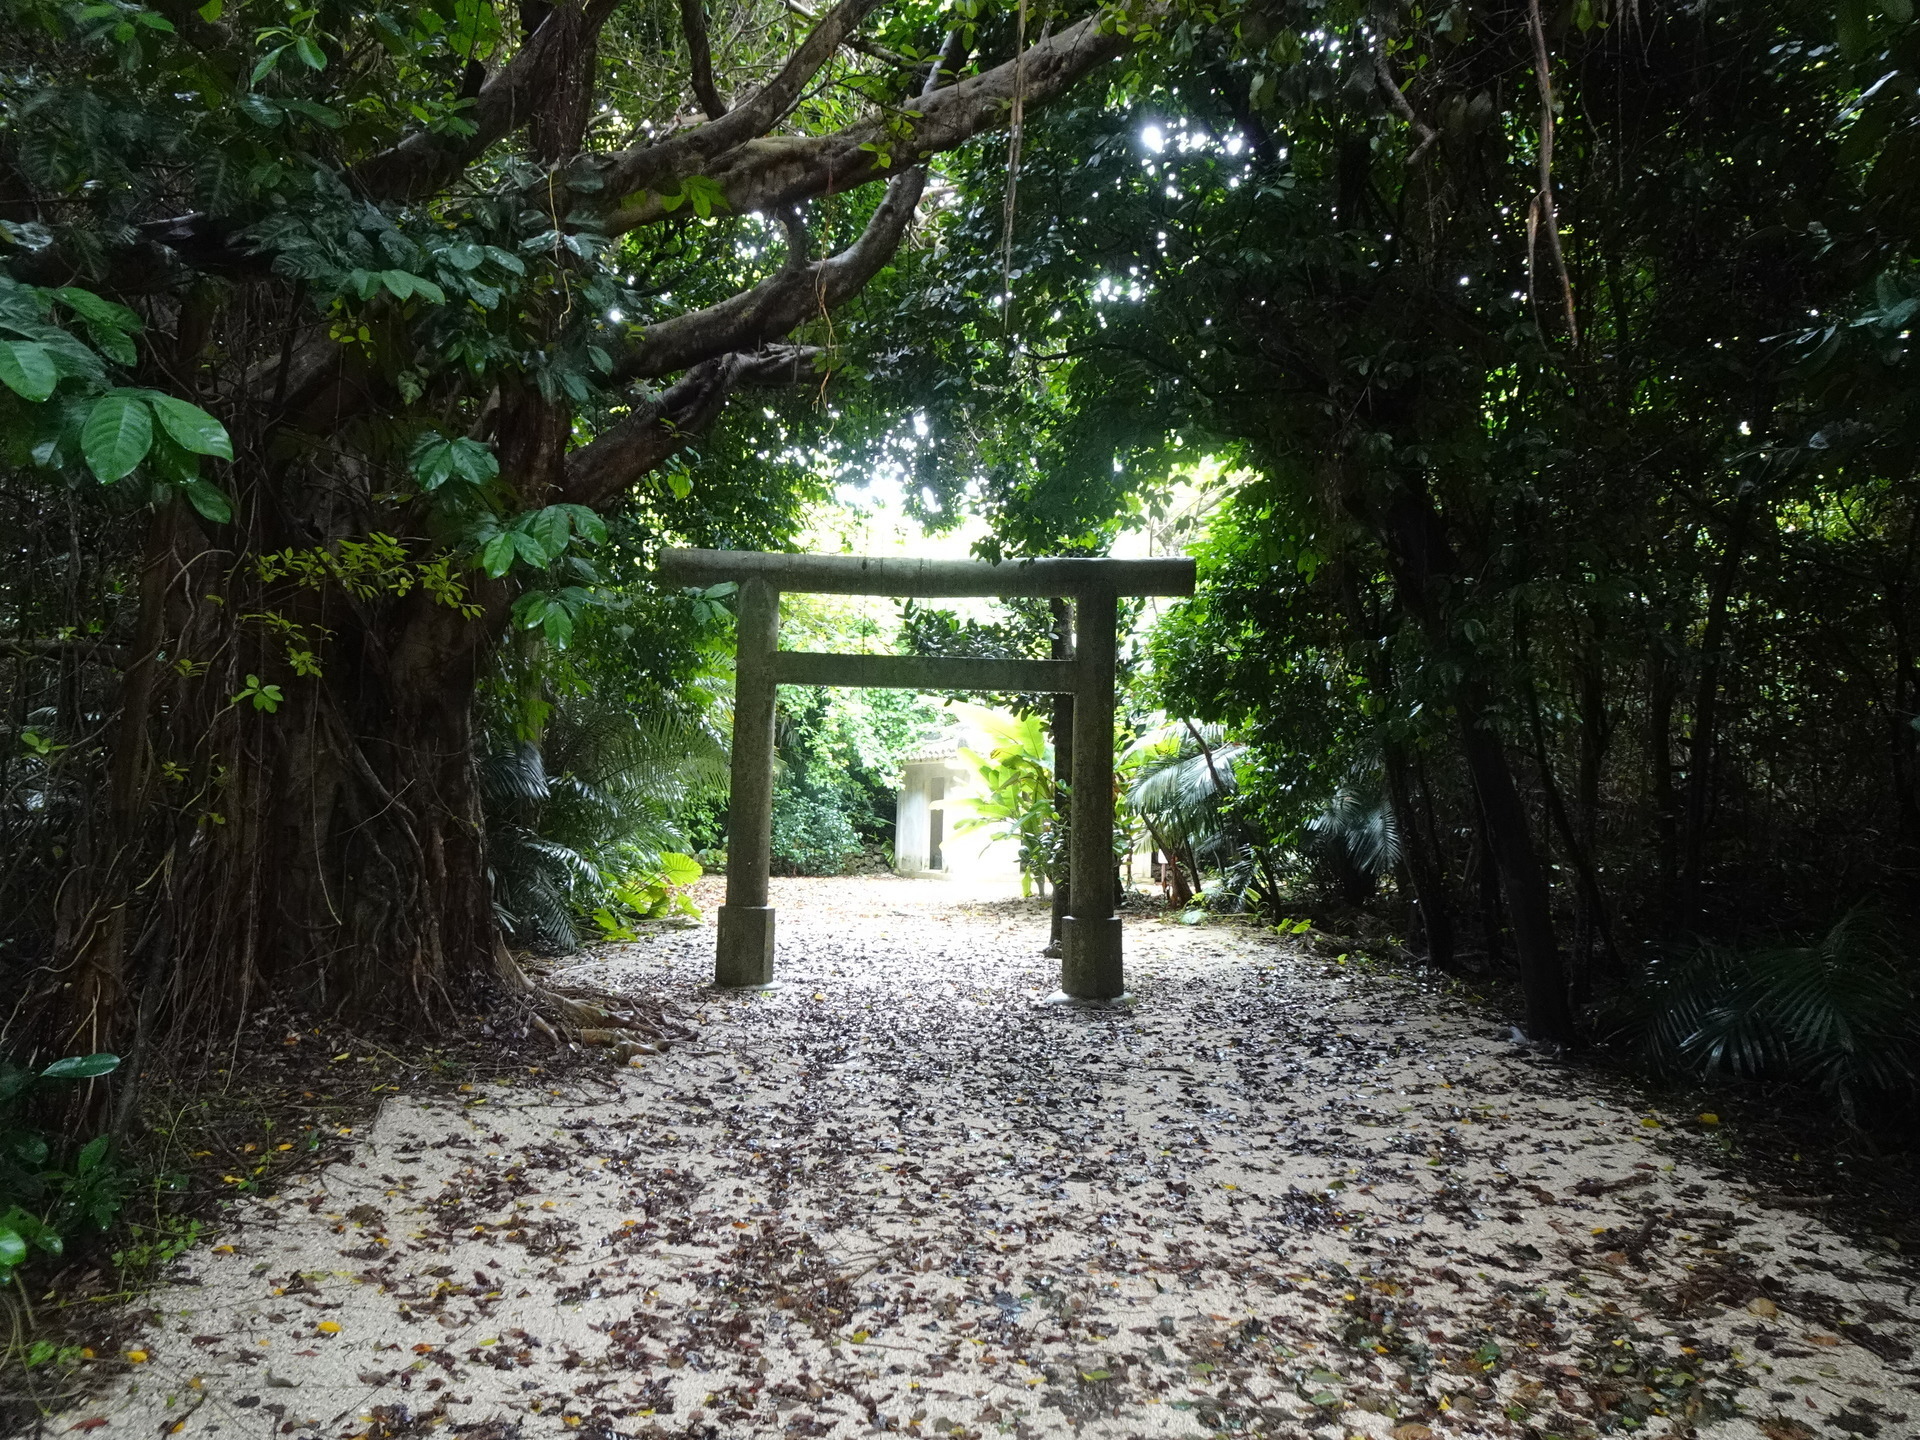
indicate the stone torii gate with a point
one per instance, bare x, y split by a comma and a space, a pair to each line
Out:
1090, 967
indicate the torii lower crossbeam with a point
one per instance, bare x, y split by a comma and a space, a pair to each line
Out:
1091, 967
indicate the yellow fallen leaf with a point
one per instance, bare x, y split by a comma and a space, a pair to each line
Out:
328, 1327
1650, 1123
138, 1357
860, 1337
223, 1249
1707, 1117
1763, 1307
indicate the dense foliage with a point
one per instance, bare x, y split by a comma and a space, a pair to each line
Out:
350, 359
1568, 544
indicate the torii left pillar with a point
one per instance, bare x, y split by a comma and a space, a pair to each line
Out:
744, 955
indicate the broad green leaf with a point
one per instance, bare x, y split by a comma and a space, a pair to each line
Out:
117, 435
680, 869
311, 53
81, 1067
27, 369
432, 462
262, 111
91, 1154
586, 523
117, 346
549, 529
90, 307
209, 499
474, 461
190, 427
465, 257
266, 63
497, 558
316, 112
12, 1251
529, 547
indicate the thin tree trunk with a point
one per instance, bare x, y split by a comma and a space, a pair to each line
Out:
1060, 647
1592, 897
1426, 572
1424, 874
1523, 881
1706, 703
1662, 801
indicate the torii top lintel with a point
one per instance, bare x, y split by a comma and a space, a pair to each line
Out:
902, 575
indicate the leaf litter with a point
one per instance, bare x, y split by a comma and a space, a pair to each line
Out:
900, 1194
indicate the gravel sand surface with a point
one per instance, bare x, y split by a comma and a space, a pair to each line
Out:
1275, 1195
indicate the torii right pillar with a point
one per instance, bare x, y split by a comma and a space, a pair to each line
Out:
1090, 967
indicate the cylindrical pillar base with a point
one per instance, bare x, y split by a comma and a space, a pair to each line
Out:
744, 956
1091, 969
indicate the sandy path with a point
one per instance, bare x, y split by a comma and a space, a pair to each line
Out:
1276, 1196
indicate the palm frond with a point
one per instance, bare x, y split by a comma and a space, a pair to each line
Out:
1840, 1013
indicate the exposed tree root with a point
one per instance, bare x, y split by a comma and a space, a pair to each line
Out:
576, 1015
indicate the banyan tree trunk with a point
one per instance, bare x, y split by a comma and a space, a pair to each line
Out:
297, 802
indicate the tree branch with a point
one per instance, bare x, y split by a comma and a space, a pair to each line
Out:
599, 473
783, 300
1397, 102
693, 20
99, 652
425, 162
766, 173
689, 152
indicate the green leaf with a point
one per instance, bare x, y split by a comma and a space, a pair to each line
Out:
465, 257
190, 427
117, 346
266, 63
96, 311
678, 869
549, 529
530, 547
27, 369
261, 110
406, 285
117, 435
91, 1154
497, 558
311, 53
12, 1251
209, 499
82, 1067
316, 112
587, 523
473, 461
